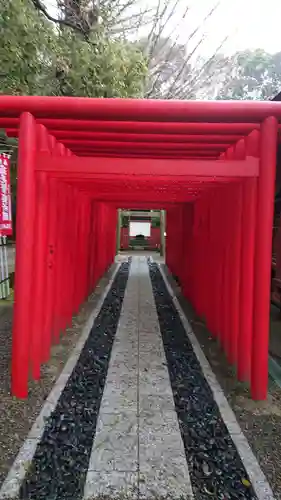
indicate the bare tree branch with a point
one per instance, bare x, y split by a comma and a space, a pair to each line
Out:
184, 66
79, 21
185, 62
191, 84
163, 23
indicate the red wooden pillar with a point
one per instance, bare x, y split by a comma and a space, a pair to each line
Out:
174, 240
41, 224
69, 237
82, 248
66, 314
177, 240
89, 242
81, 261
199, 258
247, 265
192, 255
24, 256
247, 279
98, 245
75, 249
77, 252
109, 235
220, 236
98, 240
71, 250
197, 261
60, 261
195, 255
263, 247
202, 271
87, 246
224, 296
75, 244
215, 263
235, 260
229, 238
169, 229
92, 246
113, 226
100, 253
82, 265
202, 266
105, 237
210, 249
239, 154
114, 218
54, 197
187, 255
59, 274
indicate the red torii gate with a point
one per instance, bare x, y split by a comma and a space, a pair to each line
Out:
211, 165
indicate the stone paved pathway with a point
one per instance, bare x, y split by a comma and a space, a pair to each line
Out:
138, 439
138, 413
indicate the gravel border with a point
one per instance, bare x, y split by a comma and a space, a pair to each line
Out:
60, 463
18, 416
259, 421
215, 466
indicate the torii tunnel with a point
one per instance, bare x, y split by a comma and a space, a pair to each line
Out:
210, 165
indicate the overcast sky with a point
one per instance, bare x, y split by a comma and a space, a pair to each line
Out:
257, 23
249, 24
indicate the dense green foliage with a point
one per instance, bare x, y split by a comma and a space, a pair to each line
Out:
38, 58
250, 74
98, 68
27, 46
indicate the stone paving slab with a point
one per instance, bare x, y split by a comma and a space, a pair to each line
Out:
138, 388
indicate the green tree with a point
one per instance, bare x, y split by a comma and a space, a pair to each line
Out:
27, 47
251, 75
99, 67
39, 57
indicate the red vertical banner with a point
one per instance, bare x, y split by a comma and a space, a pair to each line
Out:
6, 228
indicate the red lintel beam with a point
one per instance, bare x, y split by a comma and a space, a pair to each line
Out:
149, 138
150, 153
159, 198
136, 138
140, 109
153, 154
195, 155
139, 188
135, 127
183, 157
228, 168
143, 205
139, 197
108, 179
141, 146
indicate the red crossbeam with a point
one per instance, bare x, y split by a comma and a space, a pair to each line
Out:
139, 110
247, 168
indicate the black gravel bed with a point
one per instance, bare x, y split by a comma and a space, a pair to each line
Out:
59, 467
215, 467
